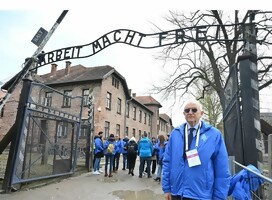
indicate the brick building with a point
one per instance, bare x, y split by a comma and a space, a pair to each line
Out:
115, 109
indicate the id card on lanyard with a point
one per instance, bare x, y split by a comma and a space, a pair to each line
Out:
192, 155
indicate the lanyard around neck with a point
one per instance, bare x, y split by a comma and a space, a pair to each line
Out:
197, 136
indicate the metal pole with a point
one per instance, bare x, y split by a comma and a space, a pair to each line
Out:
10, 87
232, 165
250, 170
252, 137
90, 142
270, 163
13, 158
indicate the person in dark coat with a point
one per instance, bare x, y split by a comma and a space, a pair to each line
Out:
154, 156
132, 151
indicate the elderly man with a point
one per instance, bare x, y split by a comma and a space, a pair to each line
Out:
195, 164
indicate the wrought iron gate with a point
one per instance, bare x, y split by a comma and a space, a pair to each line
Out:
45, 144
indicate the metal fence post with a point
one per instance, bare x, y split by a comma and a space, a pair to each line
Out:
270, 164
232, 170
232, 165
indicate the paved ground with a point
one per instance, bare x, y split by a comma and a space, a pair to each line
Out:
88, 186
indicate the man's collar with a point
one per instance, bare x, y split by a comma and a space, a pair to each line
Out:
196, 126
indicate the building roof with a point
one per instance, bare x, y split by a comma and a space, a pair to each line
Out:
2, 94
79, 73
266, 123
266, 117
166, 118
142, 105
148, 100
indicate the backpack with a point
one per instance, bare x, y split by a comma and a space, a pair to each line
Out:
131, 149
110, 148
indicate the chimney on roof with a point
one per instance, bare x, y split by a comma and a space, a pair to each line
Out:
133, 94
67, 68
53, 68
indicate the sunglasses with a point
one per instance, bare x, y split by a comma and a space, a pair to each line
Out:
187, 110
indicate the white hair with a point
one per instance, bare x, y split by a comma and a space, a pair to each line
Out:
194, 101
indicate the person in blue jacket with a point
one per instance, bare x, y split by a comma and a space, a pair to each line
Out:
99, 152
116, 157
160, 148
109, 155
124, 153
145, 150
200, 169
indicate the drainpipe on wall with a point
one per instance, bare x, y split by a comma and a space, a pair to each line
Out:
125, 116
151, 122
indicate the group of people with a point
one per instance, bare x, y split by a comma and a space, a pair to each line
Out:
191, 164
149, 151
112, 148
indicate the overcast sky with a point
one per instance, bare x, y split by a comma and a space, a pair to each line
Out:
82, 26
85, 23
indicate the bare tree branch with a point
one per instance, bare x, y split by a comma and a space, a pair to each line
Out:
210, 62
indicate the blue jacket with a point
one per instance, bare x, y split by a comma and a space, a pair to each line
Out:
106, 144
155, 149
160, 149
145, 147
124, 144
98, 145
119, 144
208, 181
243, 182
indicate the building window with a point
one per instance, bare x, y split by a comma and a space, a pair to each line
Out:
115, 82
48, 99
85, 95
140, 134
164, 125
118, 129
85, 126
67, 98
149, 120
127, 109
161, 125
140, 116
62, 130
119, 104
108, 101
126, 133
144, 118
107, 129
134, 113
133, 132
83, 132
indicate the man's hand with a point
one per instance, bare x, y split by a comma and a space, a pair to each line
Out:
167, 196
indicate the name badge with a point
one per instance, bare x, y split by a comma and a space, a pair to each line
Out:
193, 158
